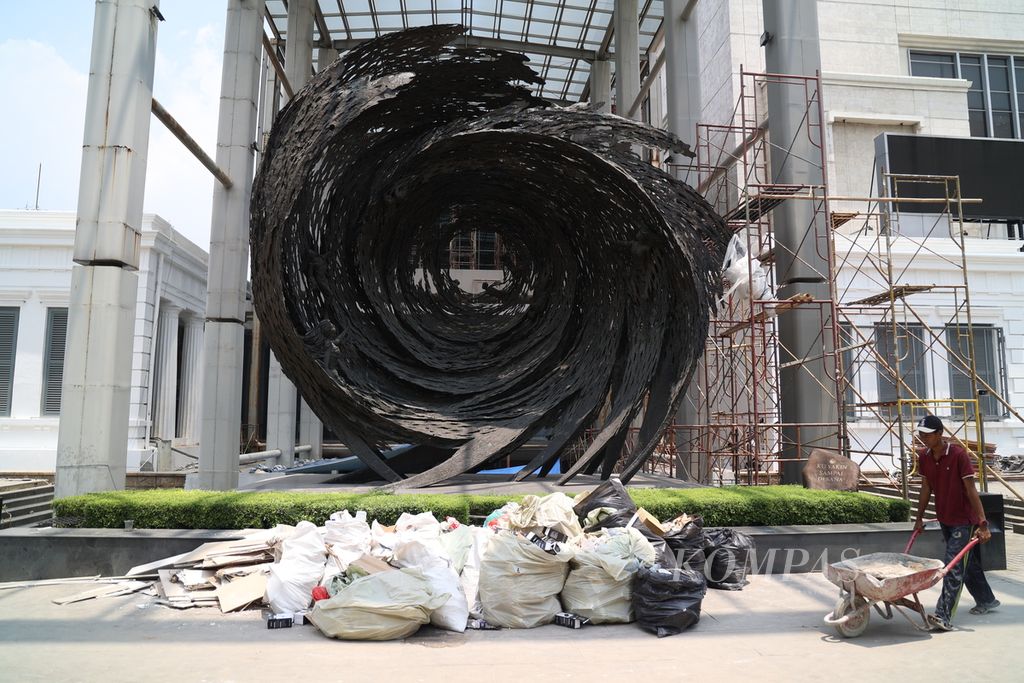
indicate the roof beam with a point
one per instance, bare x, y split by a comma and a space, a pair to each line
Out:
497, 44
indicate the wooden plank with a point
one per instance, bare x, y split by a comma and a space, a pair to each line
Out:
242, 591
106, 591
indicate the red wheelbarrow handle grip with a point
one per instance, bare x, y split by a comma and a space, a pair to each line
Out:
960, 555
913, 536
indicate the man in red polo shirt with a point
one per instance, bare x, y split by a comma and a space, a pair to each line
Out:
948, 471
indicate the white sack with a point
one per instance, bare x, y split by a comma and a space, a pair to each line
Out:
415, 554
291, 581
520, 583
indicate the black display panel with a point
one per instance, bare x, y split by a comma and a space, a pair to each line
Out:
989, 169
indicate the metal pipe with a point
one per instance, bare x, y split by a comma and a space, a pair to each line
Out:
273, 453
190, 144
646, 87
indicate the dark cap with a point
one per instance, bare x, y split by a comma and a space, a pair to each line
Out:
929, 424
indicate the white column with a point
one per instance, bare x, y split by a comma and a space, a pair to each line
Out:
682, 70
311, 431
165, 399
281, 417
229, 248
280, 413
601, 84
325, 56
627, 57
92, 441
191, 380
298, 50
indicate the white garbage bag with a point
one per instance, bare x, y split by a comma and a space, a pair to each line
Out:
292, 579
600, 581
415, 554
383, 606
553, 510
347, 539
457, 544
520, 583
470, 576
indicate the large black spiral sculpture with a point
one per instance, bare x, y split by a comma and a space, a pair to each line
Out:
610, 265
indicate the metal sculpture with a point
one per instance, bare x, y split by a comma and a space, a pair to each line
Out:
611, 266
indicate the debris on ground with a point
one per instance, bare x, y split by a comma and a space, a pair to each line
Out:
597, 559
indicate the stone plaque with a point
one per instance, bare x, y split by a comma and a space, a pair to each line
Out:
828, 470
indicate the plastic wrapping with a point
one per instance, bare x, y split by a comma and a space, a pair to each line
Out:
347, 538
384, 606
728, 558
668, 601
520, 583
747, 277
610, 494
554, 511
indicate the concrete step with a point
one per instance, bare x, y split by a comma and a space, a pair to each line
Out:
26, 505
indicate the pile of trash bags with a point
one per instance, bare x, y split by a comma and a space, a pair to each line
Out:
599, 559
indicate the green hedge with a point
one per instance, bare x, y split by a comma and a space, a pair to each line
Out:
728, 506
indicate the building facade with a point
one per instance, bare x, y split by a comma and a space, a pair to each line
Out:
36, 250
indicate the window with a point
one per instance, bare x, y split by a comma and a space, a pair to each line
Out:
903, 350
8, 344
850, 379
988, 363
995, 100
53, 359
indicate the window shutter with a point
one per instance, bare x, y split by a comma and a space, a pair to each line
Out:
8, 344
53, 362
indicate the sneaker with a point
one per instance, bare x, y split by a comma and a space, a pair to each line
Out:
985, 609
938, 624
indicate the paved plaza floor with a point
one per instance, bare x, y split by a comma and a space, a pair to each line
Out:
771, 631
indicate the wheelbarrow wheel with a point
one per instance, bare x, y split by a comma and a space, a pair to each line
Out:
859, 614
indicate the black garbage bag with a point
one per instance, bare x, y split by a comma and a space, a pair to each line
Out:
728, 558
687, 545
663, 554
609, 494
667, 601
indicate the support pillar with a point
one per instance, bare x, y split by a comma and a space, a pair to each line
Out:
281, 402
627, 57
682, 70
325, 56
601, 84
311, 431
92, 442
281, 399
165, 403
191, 376
801, 254
223, 340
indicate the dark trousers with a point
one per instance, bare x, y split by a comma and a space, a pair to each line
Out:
967, 572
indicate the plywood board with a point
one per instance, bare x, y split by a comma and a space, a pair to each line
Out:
242, 591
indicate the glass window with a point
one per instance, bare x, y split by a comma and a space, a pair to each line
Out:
1000, 96
850, 378
933, 65
8, 345
903, 374
970, 69
53, 360
988, 364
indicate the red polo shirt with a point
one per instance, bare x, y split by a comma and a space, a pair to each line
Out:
946, 477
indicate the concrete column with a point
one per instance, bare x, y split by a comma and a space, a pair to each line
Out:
601, 84
165, 403
627, 57
801, 255
223, 339
280, 413
298, 51
191, 380
325, 56
682, 70
281, 417
92, 442
311, 431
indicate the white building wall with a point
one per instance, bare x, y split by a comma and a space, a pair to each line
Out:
35, 273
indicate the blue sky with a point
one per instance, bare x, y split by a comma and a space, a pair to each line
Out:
44, 65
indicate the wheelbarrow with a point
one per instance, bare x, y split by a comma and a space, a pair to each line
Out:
884, 580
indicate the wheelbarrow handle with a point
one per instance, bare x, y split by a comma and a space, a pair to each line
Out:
917, 532
960, 555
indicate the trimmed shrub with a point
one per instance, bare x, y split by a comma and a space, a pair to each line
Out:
727, 506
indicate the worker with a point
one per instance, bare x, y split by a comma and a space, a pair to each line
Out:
948, 470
